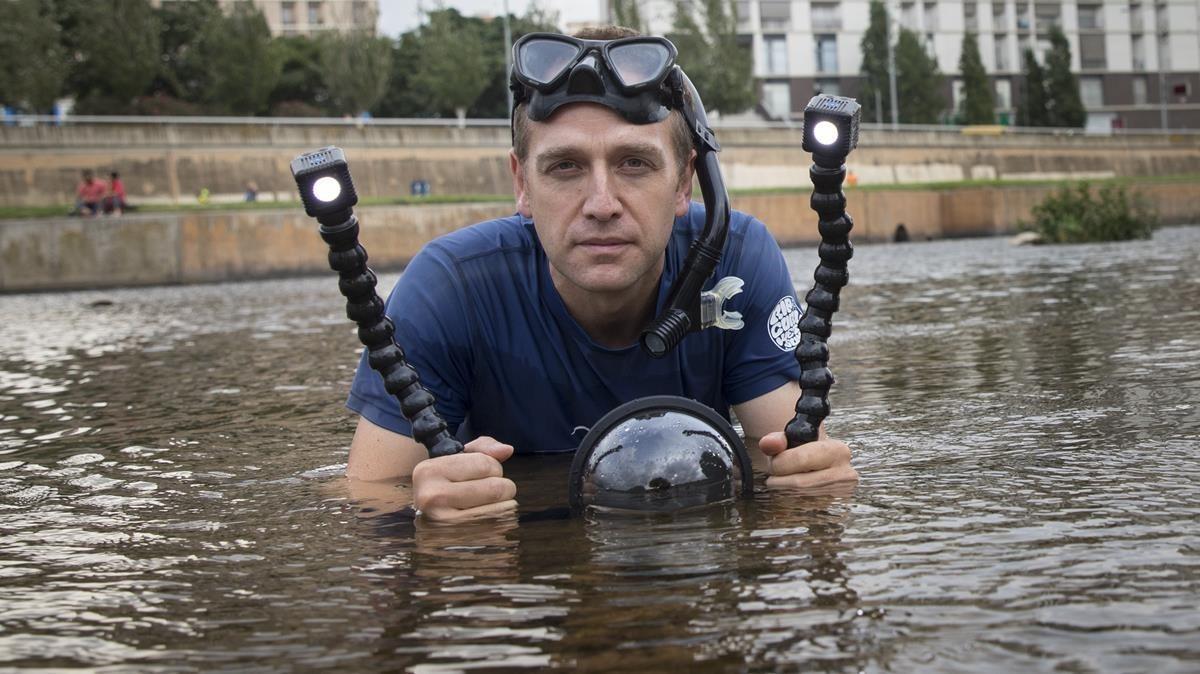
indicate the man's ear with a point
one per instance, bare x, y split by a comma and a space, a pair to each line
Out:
520, 187
683, 192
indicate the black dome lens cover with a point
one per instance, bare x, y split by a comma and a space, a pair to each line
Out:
660, 453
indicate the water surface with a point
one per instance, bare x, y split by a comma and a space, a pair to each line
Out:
1026, 422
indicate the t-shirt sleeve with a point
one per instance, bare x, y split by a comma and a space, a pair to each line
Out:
759, 357
428, 307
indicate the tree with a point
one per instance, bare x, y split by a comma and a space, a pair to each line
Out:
875, 94
402, 98
243, 63
34, 68
918, 82
116, 47
979, 103
1063, 101
625, 13
354, 68
301, 84
493, 101
451, 68
182, 72
715, 59
1033, 93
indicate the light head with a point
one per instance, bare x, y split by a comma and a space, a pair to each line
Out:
831, 126
323, 177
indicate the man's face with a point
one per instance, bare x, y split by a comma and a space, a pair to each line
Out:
603, 194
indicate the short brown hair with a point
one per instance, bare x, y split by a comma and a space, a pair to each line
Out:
681, 135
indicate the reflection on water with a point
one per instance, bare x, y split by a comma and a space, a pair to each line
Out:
1026, 422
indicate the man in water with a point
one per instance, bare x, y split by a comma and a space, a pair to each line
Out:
525, 328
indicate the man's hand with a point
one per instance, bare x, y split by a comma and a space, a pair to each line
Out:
813, 464
466, 485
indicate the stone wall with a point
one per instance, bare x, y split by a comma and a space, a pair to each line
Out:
172, 162
46, 254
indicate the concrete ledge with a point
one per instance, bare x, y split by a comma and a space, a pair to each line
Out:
150, 249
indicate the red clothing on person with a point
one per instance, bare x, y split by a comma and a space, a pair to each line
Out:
91, 192
118, 189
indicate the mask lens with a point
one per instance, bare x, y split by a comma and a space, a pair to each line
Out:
639, 63
543, 60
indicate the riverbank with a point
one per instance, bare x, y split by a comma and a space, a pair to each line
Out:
206, 245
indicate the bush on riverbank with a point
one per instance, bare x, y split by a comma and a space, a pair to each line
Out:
1077, 214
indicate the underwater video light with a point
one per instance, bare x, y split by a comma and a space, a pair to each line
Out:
323, 178
831, 126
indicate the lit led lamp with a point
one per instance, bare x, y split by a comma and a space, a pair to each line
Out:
830, 133
323, 177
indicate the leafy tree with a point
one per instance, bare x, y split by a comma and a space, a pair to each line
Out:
402, 98
244, 64
918, 82
182, 72
1032, 111
34, 68
979, 103
116, 43
1062, 87
875, 94
717, 62
625, 13
451, 68
493, 102
301, 84
354, 68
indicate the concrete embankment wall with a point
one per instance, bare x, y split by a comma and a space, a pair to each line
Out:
47, 254
172, 161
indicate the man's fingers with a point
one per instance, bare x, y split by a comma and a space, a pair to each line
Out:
820, 478
811, 457
488, 445
467, 495
453, 515
462, 467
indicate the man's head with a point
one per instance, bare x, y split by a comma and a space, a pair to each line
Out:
87, 175
603, 192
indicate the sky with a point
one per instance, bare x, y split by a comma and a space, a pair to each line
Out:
400, 16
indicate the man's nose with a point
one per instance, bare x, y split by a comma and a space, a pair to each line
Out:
602, 202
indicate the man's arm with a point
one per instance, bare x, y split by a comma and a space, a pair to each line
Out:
460, 486
814, 464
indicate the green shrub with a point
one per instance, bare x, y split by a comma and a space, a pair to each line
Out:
1074, 214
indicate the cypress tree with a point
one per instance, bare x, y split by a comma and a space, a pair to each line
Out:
1032, 111
874, 95
978, 105
1064, 103
918, 82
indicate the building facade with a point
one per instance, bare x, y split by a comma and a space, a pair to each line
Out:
313, 17
1138, 61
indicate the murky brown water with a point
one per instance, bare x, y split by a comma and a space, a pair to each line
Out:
1026, 422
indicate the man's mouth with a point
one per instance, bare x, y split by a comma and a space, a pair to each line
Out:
604, 245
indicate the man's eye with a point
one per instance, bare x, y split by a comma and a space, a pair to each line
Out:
637, 163
565, 165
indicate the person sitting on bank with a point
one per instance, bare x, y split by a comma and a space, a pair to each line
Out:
114, 202
89, 195
542, 310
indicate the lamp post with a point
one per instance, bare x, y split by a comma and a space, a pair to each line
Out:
323, 177
830, 133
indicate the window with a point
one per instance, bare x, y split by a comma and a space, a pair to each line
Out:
831, 87
1001, 52
359, 12
908, 16
826, 16
998, 14
1163, 22
1047, 17
1003, 90
777, 57
1091, 52
1023, 17
775, 15
970, 18
1139, 90
1135, 18
287, 13
743, 14
1138, 51
827, 61
777, 99
1090, 17
1091, 91
931, 17
314, 14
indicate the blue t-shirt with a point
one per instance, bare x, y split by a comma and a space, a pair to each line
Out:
481, 321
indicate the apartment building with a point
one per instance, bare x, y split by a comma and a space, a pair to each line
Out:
312, 17
1138, 61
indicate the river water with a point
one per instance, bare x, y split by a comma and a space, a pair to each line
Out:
1026, 422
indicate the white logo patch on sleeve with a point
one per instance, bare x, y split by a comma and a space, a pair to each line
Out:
784, 324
